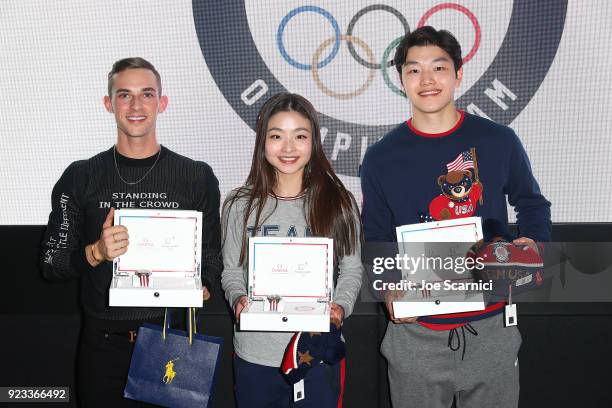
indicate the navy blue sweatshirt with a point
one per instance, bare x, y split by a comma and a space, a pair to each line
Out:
409, 177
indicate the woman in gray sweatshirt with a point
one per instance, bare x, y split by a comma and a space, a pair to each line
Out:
291, 191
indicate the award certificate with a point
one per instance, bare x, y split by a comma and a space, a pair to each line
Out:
290, 267
440, 247
160, 243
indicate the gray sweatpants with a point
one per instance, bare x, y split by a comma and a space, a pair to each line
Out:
425, 373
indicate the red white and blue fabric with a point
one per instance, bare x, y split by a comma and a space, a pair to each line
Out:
306, 349
505, 264
510, 266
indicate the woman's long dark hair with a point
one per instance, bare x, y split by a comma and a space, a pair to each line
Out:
329, 207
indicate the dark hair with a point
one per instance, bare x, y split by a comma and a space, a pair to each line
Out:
132, 63
329, 208
427, 35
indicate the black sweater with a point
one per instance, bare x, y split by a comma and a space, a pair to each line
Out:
82, 198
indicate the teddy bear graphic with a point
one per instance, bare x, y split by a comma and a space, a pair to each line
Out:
460, 194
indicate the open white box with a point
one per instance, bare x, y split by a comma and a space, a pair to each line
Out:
162, 264
410, 238
297, 275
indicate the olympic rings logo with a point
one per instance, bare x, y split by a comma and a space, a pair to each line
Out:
370, 62
246, 87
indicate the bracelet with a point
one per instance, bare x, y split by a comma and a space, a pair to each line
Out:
93, 254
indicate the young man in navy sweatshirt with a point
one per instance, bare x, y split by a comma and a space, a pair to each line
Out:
442, 164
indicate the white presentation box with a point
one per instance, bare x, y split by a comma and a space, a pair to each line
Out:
161, 267
459, 235
290, 284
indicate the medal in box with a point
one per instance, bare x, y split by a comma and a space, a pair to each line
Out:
290, 284
162, 264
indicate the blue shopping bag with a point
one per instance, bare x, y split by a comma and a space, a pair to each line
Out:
173, 368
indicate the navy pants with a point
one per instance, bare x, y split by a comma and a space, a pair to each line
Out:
259, 386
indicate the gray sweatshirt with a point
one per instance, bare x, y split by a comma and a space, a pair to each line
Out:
286, 220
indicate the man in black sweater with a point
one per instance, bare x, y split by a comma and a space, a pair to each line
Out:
81, 242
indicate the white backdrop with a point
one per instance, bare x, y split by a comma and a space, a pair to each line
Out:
55, 56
